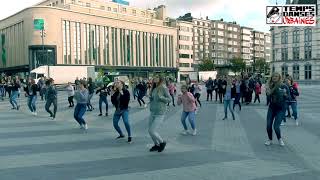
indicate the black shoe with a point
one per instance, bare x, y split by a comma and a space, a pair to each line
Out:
107, 114
224, 118
51, 115
154, 148
13, 108
162, 146
120, 137
129, 140
100, 114
18, 107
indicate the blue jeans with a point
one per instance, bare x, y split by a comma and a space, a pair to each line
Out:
294, 110
103, 99
2, 92
191, 116
274, 117
228, 103
13, 99
79, 111
32, 103
125, 117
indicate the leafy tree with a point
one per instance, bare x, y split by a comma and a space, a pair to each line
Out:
260, 65
238, 65
207, 65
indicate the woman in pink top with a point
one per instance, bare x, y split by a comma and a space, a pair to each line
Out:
189, 108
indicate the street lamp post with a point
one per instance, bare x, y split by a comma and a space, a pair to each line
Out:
43, 35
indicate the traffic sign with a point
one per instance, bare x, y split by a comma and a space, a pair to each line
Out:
38, 24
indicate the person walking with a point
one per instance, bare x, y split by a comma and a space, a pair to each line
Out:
294, 92
2, 89
120, 99
197, 93
257, 91
31, 91
91, 88
209, 86
70, 92
81, 96
51, 98
159, 98
237, 85
172, 91
14, 93
229, 97
142, 90
278, 93
189, 108
41, 85
103, 92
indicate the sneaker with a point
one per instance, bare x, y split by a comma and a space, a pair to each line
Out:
281, 143
268, 143
145, 106
100, 114
297, 123
107, 114
129, 140
120, 137
184, 132
18, 107
85, 127
282, 124
13, 108
162, 146
35, 113
154, 148
53, 118
81, 126
224, 118
194, 132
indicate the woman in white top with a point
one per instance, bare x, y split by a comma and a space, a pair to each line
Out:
70, 91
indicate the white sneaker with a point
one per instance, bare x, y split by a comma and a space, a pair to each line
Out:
81, 126
282, 124
85, 127
281, 143
268, 143
194, 132
35, 113
145, 105
184, 132
297, 123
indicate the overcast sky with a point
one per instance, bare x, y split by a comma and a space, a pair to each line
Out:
249, 13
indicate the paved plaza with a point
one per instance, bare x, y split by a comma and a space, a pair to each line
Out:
37, 148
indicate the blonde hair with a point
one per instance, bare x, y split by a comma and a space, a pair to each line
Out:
184, 86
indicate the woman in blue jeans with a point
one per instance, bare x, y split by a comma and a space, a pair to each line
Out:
228, 100
14, 94
31, 91
120, 99
103, 95
82, 97
278, 93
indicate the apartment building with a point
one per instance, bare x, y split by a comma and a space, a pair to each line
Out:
107, 35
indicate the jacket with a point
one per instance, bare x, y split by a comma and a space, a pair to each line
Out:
81, 96
51, 93
121, 101
188, 102
158, 100
31, 90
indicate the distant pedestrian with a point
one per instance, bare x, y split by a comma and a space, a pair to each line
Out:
229, 97
31, 91
159, 98
197, 93
14, 94
237, 85
120, 99
189, 108
91, 88
103, 92
81, 96
51, 98
257, 91
70, 92
210, 88
172, 90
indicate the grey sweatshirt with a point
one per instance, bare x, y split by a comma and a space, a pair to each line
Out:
159, 99
81, 96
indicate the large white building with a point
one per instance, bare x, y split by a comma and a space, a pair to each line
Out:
296, 50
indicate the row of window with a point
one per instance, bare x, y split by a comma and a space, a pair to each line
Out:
296, 71
104, 45
185, 47
184, 38
295, 53
295, 36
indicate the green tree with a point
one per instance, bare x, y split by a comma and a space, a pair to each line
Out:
207, 65
238, 65
260, 65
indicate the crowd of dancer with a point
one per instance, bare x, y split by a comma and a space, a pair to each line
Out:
230, 90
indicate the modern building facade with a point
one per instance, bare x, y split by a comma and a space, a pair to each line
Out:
296, 50
247, 45
185, 48
107, 35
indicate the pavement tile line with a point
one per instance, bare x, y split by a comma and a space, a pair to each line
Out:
239, 170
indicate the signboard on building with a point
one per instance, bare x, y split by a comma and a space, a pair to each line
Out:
291, 15
38, 24
121, 2
3, 54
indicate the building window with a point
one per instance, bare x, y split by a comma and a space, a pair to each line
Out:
109, 8
296, 53
284, 70
296, 71
102, 7
66, 42
284, 54
307, 52
308, 35
307, 71
184, 65
124, 10
106, 46
184, 56
115, 10
134, 12
77, 43
284, 37
88, 5
296, 36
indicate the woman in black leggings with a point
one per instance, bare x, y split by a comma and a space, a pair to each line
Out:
197, 93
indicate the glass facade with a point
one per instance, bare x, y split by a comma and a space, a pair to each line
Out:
103, 45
